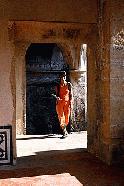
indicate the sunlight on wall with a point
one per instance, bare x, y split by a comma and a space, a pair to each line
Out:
118, 40
79, 118
83, 57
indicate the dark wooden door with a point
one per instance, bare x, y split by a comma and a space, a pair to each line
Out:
41, 115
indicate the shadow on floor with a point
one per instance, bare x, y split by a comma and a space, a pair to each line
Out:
39, 137
87, 169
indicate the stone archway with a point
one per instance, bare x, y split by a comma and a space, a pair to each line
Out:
44, 64
20, 53
70, 36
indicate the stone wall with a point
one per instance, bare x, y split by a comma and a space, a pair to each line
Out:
103, 83
117, 80
110, 121
78, 117
5, 71
7, 82
81, 11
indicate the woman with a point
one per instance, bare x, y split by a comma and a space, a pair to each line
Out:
64, 103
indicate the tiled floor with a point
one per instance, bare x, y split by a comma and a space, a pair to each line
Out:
51, 161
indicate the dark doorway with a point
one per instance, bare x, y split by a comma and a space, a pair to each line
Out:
44, 64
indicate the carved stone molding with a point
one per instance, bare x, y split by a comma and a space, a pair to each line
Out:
6, 144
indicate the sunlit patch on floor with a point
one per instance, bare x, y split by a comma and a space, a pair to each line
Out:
58, 179
30, 145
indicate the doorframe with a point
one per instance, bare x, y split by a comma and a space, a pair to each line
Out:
98, 137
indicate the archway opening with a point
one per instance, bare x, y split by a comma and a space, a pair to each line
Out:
44, 64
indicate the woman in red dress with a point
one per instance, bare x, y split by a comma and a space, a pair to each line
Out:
64, 103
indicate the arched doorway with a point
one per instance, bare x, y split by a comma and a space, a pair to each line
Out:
44, 64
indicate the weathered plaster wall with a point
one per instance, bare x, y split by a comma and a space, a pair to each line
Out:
117, 79
5, 70
7, 81
60, 11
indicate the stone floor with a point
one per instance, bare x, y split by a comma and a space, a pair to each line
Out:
51, 161
31, 145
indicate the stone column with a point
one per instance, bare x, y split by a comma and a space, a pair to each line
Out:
92, 98
20, 52
117, 81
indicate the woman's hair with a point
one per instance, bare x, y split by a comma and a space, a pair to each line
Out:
63, 74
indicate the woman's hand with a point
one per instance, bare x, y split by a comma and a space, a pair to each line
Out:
58, 99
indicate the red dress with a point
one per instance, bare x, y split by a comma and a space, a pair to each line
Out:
63, 105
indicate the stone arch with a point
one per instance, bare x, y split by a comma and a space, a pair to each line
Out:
20, 53
46, 61
66, 53
22, 40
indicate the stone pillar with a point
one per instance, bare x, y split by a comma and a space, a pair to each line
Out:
117, 81
79, 100
20, 52
92, 89
110, 117
111, 81
102, 126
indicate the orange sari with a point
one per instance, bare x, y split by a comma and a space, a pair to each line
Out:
63, 105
